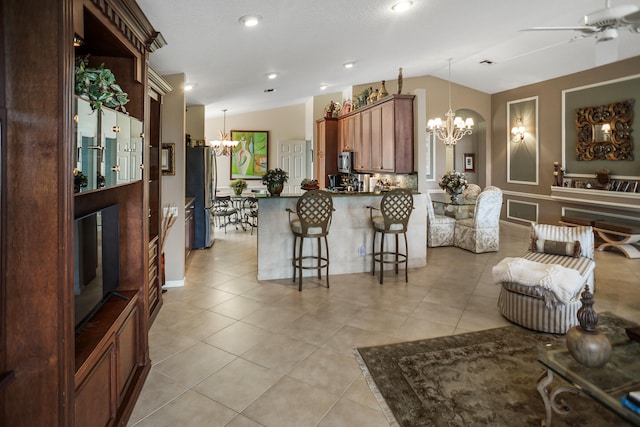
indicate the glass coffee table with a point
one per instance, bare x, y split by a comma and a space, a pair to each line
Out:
606, 385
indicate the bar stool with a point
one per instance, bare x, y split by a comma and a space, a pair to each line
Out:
313, 218
395, 209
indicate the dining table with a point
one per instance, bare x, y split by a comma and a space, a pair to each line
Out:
458, 208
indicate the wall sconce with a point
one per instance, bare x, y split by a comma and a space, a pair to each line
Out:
518, 131
606, 131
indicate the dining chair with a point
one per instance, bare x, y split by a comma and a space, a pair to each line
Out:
224, 213
440, 228
481, 233
250, 212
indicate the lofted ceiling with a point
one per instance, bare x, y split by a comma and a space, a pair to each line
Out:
307, 42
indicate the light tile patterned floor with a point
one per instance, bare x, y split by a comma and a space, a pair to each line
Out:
228, 350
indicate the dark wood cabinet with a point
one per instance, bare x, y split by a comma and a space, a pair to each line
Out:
328, 146
158, 87
63, 376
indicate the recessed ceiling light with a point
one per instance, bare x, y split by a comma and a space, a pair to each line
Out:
323, 87
189, 86
401, 6
250, 20
349, 65
271, 76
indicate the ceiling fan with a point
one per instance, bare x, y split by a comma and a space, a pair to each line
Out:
604, 23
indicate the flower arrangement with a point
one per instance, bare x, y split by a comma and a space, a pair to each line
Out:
238, 186
453, 182
275, 176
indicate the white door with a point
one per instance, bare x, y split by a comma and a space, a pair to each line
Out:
292, 157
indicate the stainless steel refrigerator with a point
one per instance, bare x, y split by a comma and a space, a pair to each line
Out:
199, 185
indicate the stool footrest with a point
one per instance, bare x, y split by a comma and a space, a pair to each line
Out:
297, 262
379, 257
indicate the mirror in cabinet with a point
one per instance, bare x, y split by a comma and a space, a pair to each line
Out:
108, 148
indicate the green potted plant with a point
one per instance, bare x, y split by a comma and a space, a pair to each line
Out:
238, 186
98, 86
274, 179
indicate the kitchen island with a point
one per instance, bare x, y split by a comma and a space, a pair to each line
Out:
350, 231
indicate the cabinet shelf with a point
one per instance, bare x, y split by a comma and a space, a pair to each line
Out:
603, 198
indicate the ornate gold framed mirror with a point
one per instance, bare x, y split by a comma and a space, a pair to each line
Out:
604, 132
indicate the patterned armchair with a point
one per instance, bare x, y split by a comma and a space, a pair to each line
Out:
440, 228
482, 232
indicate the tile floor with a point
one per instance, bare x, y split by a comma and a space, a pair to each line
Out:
228, 350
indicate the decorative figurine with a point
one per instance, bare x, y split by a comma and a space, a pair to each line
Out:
400, 81
557, 178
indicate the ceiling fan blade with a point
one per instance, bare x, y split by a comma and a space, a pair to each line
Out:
632, 18
584, 29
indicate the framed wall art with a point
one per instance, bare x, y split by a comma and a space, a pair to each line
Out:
469, 162
168, 159
249, 157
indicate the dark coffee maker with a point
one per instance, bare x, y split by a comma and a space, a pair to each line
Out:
335, 180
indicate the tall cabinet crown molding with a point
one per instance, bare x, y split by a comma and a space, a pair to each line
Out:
49, 373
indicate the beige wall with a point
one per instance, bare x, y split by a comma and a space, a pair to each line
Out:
194, 122
173, 131
283, 124
549, 132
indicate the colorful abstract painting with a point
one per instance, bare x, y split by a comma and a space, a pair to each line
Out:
249, 157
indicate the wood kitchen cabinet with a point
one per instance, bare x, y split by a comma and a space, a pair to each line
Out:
328, 147
385, 142
350, 132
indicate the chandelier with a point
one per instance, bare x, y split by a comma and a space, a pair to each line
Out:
223, 146
453, 128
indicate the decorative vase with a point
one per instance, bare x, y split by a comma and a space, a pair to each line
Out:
585, 342
455, 196
383, 91
237, 191
275, 188
400, 81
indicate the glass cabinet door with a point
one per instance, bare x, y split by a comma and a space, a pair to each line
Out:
87, 148
136, 149
108, 147
109, 133
123, 138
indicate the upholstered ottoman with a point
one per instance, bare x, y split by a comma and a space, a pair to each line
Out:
530, 306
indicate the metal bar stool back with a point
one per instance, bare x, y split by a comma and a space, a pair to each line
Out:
393, 218
313, 213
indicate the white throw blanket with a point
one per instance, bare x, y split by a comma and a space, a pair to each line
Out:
560, 281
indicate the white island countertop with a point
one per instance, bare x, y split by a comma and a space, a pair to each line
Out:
350, 230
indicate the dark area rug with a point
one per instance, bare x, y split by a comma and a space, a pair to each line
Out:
475, 379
